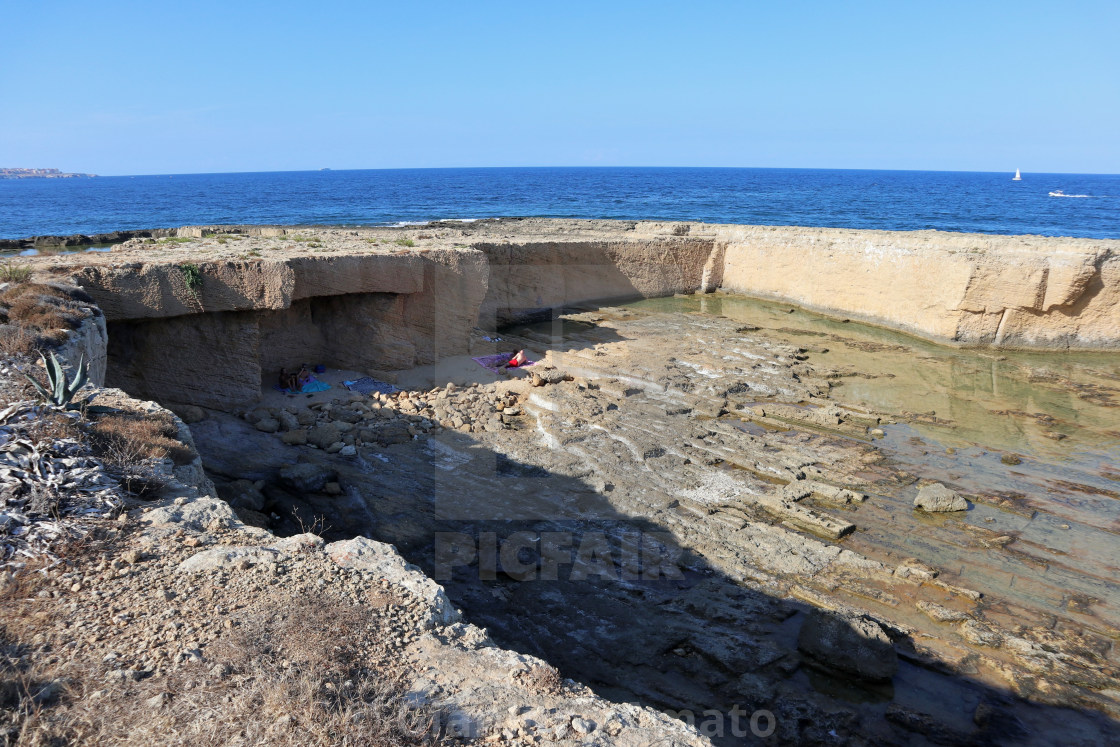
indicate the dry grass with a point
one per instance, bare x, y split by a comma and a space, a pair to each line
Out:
290, 674
38, 316
17, 339
127, 442
54, 425
127, 437
543, 680
10, 272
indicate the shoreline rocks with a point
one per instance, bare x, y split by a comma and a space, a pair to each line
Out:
937, 498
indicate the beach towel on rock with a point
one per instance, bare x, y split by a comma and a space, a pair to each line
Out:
315, 386
495, 362
312, 386
367, 385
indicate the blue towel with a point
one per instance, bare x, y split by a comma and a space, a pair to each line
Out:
312, 386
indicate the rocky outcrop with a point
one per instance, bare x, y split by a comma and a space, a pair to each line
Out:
936, 498
88, 344
383, 299
253, 318
1009, 291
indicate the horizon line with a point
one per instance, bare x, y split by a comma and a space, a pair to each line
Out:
471, 168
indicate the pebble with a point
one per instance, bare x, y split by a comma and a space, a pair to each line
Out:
582, 725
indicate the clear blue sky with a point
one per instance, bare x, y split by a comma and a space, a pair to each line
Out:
238, 85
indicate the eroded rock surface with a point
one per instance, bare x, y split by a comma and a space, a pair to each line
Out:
716, 457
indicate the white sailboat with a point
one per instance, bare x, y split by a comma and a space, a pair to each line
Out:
1017, 177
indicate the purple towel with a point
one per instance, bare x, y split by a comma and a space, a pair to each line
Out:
495, 362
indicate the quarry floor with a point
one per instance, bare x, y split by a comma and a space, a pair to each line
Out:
660, 524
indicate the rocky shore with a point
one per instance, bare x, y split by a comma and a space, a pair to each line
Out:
680, 511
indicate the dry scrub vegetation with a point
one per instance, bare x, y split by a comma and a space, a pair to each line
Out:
290, 672
125, 438
38, 316
128, 442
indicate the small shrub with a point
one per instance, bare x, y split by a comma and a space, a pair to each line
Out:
10, 272
405, 242
192, 276
35, 313
17, 339
125, 438
175, 240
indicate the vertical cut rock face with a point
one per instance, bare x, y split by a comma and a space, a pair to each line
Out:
532, 280
212, 345
1015, 291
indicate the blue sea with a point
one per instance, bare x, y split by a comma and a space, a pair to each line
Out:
893, 200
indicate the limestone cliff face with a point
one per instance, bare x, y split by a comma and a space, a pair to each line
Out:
88, 344
1014, 291
205, 323
532, 280
212, 344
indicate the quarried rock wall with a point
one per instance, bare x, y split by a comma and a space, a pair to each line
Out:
1009, 291
212, 344
532, 280
231, 319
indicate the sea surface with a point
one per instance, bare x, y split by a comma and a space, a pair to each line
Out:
892, 200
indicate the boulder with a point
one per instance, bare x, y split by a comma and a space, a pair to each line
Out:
937, 498
268, 425
287, 420
228, 557
853, 644
395, 432
307, 478
346, 415
190, 414
324, 435
191, 513
242, 494
385, 562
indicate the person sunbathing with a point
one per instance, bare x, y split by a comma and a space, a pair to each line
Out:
518, 359
303, 378
288, 380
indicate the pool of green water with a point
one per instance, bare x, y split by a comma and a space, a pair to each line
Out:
1054, 405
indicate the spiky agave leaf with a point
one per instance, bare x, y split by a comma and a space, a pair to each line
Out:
56, 375
42, 390
59, 391
88, 409
79, 380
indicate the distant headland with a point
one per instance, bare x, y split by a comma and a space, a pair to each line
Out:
11, 173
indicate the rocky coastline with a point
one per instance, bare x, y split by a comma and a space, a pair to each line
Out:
677, 511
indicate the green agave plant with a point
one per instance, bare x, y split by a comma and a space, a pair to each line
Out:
60, 391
